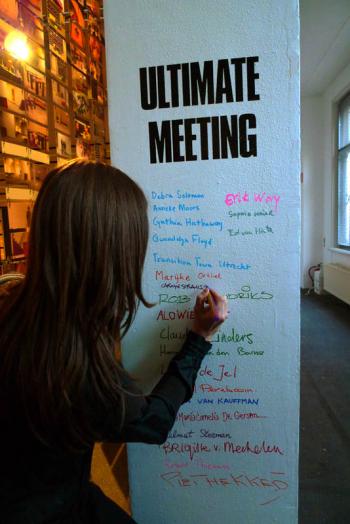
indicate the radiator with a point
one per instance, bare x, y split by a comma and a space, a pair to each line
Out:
337, 281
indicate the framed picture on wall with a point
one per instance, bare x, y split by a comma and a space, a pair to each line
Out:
19, 244
64, 145
98, 113
11, 97
78, 59
95, 39
77, 24
59, 94
19, 217
83, 149
55, 10
59, 69
9, 10
39, 172
57, 44
31, 24
62, 121
94, 6
13, 127
33, 5
17, 169
38, 137
79, 81
34, 81
11, 69
83, 139
36, 56
81, 104
36, 108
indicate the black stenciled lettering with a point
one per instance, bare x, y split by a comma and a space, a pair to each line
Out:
189, 137
223, 82
229, 136
148, 88
162, 103
174, 82
186, 94
247, 143
160, 86
202, 83
174, 140
238, 63
215, 137
177, 138
251, 77
203, 124
160, 146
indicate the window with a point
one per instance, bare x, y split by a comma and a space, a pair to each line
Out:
343, 225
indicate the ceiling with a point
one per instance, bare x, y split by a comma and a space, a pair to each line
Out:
325, 43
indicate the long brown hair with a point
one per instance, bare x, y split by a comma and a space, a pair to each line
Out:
58, 333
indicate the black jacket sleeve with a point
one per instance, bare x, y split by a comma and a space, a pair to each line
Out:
150, 418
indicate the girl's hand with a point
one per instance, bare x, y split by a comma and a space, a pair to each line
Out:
210, 312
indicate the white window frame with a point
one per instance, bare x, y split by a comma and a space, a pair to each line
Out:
342, 148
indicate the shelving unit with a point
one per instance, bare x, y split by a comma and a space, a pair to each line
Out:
52, 104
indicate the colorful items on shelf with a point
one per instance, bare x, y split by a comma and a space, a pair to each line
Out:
31, 24
77, 24
52, 100
35, 82
57, 44
9, 10
10, 69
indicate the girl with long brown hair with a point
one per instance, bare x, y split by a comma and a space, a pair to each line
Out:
61, 386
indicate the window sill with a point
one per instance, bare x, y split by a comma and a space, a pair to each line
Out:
339, 250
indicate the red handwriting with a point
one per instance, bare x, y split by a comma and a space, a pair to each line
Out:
240, 416
247, 448
202, 275
187, 314
176, 478
190, 449
205, 465
176, 465
193, 448
177, 277
220, 375
269, 501
208, 388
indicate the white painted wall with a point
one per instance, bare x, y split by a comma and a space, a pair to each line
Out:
312, 162
197, 476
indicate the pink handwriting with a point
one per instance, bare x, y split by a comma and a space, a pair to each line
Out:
177, 479
220, 375
262, 198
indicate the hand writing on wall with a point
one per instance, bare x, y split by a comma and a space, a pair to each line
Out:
210, 312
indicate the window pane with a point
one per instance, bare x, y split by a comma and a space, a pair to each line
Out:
344, 123
344, 198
